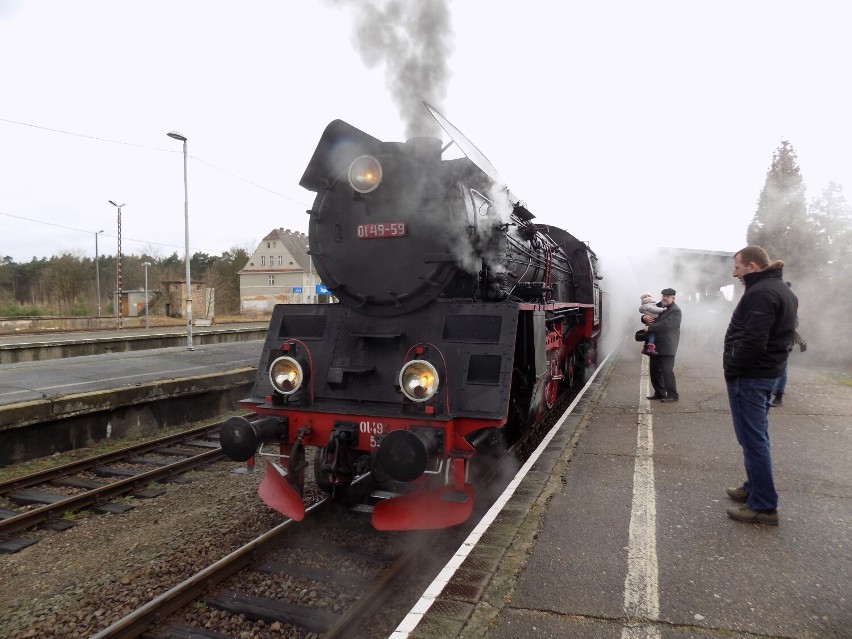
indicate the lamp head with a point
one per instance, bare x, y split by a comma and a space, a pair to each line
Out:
177, 135
118, 205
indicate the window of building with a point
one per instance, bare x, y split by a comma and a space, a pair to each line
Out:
271, 280
280, 260
269, 245
263, 260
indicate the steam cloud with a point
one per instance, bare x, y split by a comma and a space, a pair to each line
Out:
414, 41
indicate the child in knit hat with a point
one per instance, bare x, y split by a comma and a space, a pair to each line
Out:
649, 307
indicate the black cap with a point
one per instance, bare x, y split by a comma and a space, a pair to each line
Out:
668, 291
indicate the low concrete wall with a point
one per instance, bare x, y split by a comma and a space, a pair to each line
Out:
55, 324
39, 428
37, 351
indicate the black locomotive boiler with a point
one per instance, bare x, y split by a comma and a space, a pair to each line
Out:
459, 320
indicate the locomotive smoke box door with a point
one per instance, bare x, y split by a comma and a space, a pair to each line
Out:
383, 249
386, 241
380, 252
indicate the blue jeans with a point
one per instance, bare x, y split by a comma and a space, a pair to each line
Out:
749, 398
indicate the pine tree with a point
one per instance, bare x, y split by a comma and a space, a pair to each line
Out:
827, 298
781, 224
831, 216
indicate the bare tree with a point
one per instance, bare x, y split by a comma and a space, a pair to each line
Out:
66, 279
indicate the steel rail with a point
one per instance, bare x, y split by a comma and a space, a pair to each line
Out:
45, 476
122, 487
369, 602
138, 621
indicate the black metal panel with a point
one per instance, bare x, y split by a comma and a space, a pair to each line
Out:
484, 369
472, 328
355, 363
298, 326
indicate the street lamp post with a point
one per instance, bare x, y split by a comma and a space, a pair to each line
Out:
177, 136
310, 273
118, 269
98, 273
146, 265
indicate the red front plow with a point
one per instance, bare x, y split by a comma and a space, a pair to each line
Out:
276, 492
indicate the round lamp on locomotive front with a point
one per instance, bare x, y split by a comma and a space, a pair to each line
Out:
286, 375
418, 380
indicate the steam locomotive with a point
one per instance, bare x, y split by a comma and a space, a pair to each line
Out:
459, 320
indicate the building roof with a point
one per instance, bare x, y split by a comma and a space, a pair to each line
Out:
294, 242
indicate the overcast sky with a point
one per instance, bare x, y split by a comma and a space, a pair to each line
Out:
625, 123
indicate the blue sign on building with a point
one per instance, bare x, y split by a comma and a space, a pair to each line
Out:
297, 289
322, 290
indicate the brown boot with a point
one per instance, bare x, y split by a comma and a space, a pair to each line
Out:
777, 401
741, 513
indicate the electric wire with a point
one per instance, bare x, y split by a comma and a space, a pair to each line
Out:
141, 146
153, 148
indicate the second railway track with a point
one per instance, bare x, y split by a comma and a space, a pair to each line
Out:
49, 496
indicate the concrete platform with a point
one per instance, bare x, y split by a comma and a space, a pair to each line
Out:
57, 405
621, 529
37, 347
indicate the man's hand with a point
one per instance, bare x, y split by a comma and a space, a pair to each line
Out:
803, 346
648, 319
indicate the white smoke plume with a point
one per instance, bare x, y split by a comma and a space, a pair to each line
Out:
414, 40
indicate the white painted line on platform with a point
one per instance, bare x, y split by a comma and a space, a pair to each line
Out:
139, 378
415, 615
641, 586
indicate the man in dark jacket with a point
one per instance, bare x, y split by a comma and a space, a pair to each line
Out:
666, 330
757, 343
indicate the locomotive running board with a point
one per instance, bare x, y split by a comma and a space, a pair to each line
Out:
277, 493
425, 510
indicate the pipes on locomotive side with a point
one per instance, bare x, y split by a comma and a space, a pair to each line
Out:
240, 438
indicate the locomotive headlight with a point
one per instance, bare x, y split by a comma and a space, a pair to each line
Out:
418, 380
365, 174
286, 375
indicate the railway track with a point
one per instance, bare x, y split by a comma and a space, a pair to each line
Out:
323, 577
46, 498
328, 572
320, 577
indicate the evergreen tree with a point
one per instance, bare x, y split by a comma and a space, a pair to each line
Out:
781, 224
831, 216
826, 301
